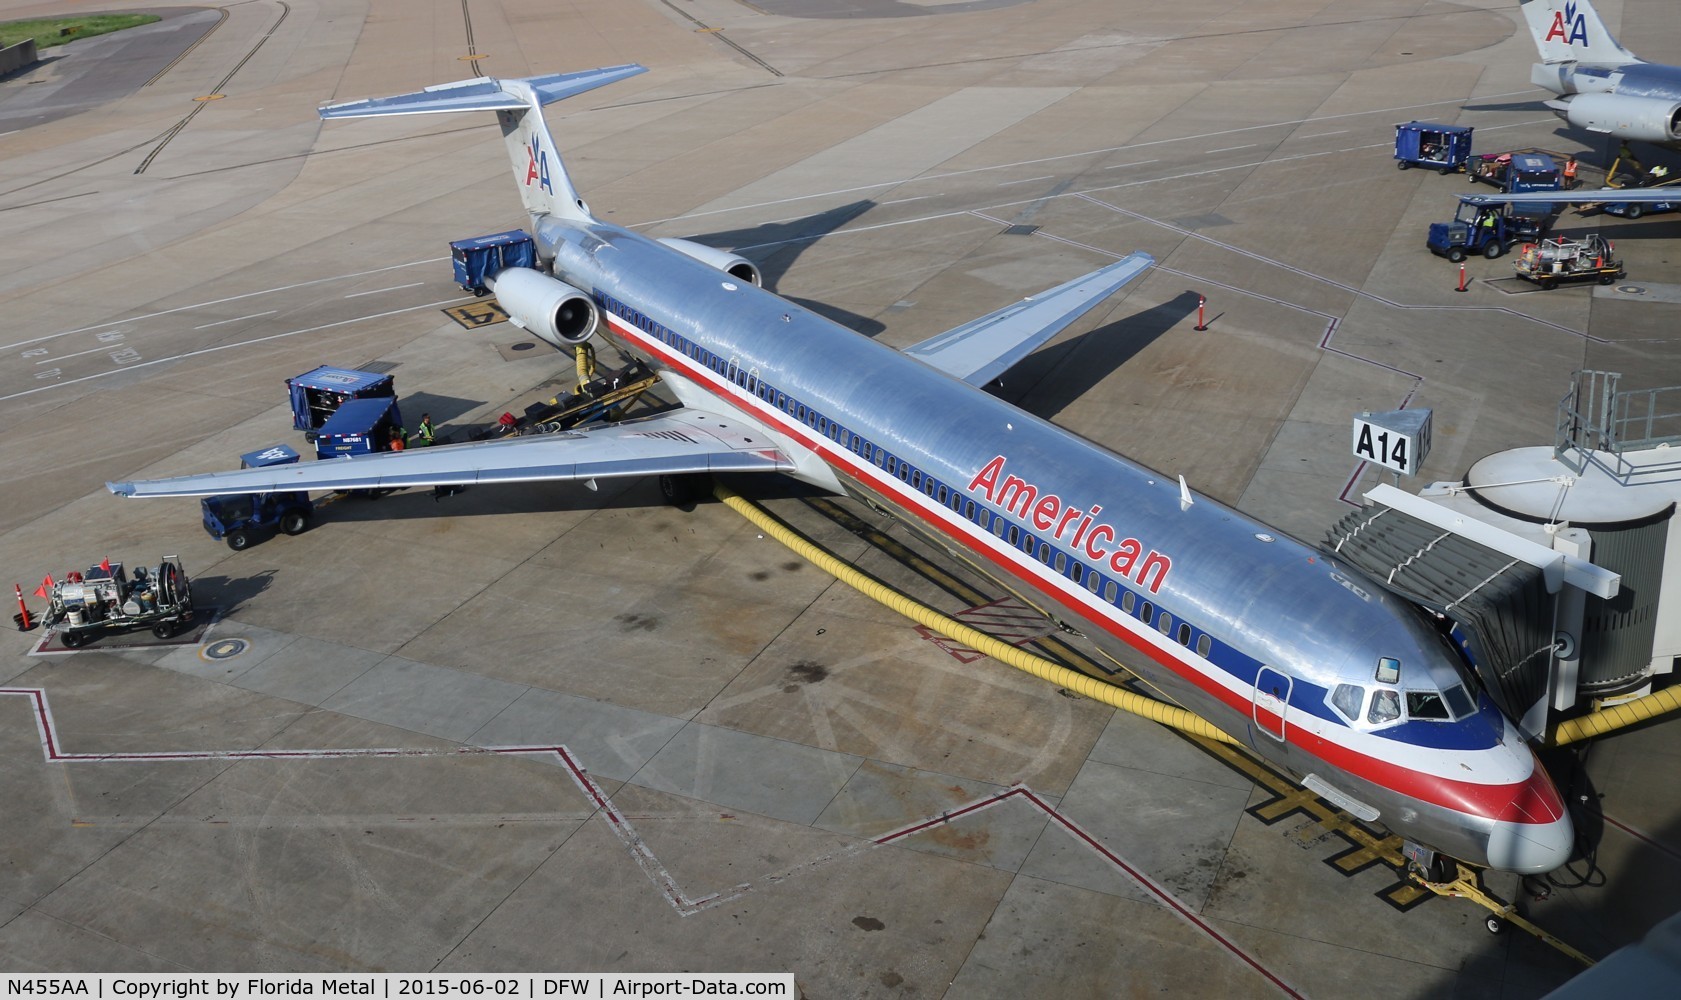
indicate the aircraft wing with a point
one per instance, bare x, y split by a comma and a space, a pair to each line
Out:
681, 441
1596, 196
981, 350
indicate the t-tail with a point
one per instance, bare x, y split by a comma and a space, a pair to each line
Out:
543, 184
1571, 31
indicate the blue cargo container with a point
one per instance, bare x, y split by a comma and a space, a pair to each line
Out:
317, 394
481, 258
359, 427
1443, 148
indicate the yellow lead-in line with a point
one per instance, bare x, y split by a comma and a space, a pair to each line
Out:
869, 586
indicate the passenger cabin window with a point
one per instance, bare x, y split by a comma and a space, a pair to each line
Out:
1386, 707
1184, 634
1147, 612
1426, 705
1388, 670
1204, 644
1346, 699
1127, 601
1164, 624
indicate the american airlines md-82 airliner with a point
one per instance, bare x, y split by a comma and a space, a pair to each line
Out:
1318, 669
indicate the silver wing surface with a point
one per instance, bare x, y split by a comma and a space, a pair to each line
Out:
1596, 196
681, 441
981, 350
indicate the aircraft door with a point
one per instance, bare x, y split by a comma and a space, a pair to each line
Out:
1270, 707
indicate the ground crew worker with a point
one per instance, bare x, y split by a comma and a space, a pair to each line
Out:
1570, 174
427, 435
397, 443
1657, 174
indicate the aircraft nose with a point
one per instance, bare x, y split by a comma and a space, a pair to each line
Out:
1533, 834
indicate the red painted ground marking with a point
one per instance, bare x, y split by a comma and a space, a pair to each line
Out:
639, 851
1006, 620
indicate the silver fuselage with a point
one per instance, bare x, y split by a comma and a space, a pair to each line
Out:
977, 476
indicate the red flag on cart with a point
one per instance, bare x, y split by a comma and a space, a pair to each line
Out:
105, 564
46, 588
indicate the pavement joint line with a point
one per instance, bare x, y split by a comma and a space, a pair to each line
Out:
954, 213
640, 852
226, 347
1097, 152
217, 302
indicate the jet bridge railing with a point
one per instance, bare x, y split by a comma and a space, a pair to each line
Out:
1599, 423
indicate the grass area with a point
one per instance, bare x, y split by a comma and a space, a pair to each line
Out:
50, 31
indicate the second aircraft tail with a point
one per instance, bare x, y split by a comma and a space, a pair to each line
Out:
544, 186
1570, 30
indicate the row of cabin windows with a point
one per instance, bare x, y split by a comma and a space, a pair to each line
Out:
1075, 570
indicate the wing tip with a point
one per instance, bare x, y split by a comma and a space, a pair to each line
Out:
121, 489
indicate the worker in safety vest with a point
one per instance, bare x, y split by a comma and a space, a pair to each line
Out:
427, 435
1570, 174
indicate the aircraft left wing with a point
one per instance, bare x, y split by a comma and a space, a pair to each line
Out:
681, 441
981, 350
1596, 196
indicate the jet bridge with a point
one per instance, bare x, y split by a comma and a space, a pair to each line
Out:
1550, 562
1500, 591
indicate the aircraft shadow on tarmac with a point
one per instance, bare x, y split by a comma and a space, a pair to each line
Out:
775, 246
1101, 352
442, 408
479, 501
229, 593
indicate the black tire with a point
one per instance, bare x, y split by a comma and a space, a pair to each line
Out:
1494, 249
73, 640
1494, 924
1548, 284
1444, 171
1608, 279
164, 630
1634, 211
684, 490
239, 540
295, 522
1402, 165
1456, 254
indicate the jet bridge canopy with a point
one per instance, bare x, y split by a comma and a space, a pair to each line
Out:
1500, 603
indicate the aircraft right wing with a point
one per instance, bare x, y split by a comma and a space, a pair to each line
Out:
1596, 196
981, 350
681, 441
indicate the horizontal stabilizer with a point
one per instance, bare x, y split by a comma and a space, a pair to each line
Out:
482, 94
673, 443
984, 349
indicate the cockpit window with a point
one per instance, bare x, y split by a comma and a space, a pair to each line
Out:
1459, 701
1346, 698
1386, 707
1426, 705
1388, 670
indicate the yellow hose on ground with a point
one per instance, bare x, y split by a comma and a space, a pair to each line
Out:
1090, 687
585, 356
1617, 716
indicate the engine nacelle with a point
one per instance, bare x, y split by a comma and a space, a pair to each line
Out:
729, 263
1648, 119
547, 307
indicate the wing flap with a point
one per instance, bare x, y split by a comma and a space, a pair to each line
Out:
671, 443
983, 349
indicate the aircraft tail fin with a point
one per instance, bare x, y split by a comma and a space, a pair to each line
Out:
544, 186
1571, 31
